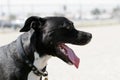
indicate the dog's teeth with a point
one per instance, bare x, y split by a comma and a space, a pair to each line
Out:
62, 50
70, 63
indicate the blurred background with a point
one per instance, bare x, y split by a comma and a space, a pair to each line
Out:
100, 59
84, 12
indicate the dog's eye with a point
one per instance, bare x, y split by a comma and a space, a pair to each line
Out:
68, 27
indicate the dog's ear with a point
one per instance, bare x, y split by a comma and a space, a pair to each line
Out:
33, 22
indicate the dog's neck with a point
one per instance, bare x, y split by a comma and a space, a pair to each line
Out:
29, 47
42, 61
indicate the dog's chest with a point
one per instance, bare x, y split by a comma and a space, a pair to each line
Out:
41, 62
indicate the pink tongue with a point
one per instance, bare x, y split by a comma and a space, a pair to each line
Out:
71, 55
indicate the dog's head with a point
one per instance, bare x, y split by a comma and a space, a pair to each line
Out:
51, 34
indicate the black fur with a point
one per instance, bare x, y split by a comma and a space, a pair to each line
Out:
42, 35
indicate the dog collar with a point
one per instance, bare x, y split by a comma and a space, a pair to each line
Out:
35, 70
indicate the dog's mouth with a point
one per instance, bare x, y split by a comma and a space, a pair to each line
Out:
68, 55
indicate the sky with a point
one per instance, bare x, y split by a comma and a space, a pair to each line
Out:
18, 6
60, 1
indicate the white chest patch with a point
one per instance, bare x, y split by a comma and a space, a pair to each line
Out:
41, 62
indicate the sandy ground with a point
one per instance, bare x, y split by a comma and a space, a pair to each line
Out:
100, 59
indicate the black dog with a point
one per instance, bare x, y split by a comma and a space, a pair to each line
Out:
46, 36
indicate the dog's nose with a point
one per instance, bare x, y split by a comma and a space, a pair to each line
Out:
87, 35
90, 35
